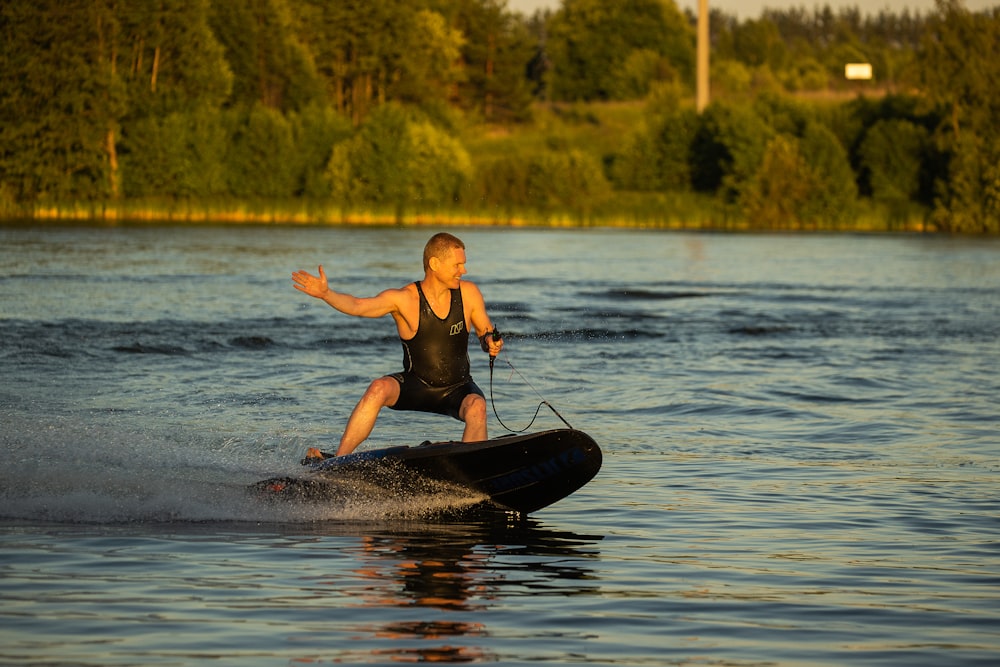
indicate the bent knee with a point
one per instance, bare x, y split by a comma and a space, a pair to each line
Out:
473, 408
385, 390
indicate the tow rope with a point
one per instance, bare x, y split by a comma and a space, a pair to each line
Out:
497, 336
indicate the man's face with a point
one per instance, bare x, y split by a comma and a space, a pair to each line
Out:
451, 267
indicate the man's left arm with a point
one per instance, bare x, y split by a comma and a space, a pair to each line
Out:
480, 320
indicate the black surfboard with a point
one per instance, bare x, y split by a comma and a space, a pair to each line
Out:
523, 473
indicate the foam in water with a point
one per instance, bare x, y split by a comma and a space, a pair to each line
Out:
84, 473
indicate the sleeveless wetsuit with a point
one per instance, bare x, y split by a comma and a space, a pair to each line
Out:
436, 375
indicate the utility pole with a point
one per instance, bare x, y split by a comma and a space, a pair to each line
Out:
701, 100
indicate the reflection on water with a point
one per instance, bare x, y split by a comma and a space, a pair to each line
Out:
412, 572
325, 592
440, 569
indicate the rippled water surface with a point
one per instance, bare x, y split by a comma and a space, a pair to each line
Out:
801, 439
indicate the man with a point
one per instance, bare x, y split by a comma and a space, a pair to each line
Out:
432, 317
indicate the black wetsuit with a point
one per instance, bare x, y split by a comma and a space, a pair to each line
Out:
436, 375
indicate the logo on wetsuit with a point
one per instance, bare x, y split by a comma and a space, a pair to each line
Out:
456, 329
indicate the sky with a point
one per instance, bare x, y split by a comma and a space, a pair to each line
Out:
748, 9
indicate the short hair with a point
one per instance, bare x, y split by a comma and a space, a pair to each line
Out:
438, 245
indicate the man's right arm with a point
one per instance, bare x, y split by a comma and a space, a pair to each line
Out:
385, 303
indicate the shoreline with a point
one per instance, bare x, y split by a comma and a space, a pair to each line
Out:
307, 214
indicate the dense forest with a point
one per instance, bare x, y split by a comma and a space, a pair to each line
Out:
461, 110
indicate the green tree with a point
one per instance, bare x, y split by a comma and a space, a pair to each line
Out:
497, 50
892, 155
171, 59
779, 192
179, 155
367, 169
260, 156
316, 129
656, 156
370, 53
428, 66
757, 42
806, 74
61, 98
352, 42
833, 200
639, 73
270, 64
176, 156
176, 78
783, 113
591, 41
730, 78
802, 183
438, 166
970, 201
855, 118
727, 149
959, 61
399, 162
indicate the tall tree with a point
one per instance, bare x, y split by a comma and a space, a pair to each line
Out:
496, 54
590, 43
370, 53
428, 67
960, 72
960, 65
173, 59
60, 99
176, 75
269, 63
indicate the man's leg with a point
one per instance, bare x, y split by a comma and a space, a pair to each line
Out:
380, 393
473, 413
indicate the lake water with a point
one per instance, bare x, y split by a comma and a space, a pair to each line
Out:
801, 442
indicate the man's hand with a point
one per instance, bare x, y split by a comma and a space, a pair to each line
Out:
310, 284
495, 346
491, 342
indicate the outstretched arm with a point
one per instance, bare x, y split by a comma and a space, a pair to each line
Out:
386, 303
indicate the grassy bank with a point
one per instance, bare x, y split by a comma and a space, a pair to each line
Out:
627, 211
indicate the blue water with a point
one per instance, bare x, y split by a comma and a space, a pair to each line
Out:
801, 442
